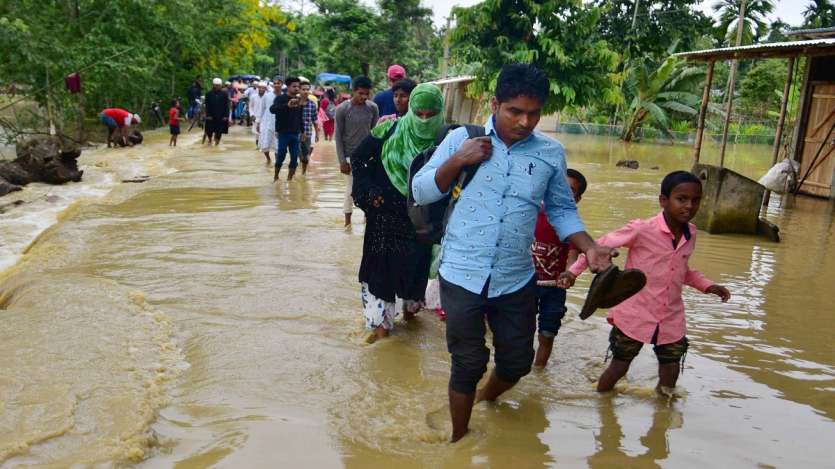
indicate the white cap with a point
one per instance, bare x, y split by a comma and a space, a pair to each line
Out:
304, 80
137, 118
217, 81
262, 84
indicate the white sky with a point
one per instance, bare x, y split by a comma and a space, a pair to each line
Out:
790, 11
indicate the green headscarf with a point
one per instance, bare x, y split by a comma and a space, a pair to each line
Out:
412, 135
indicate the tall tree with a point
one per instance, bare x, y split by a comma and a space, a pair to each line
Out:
819, 14
345, 32
657, 25
754, 26
556, 35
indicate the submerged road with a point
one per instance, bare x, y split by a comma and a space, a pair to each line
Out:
209, 317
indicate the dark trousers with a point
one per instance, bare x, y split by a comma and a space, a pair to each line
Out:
512, 319
288, 141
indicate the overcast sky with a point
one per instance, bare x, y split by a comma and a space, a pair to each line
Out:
790, 11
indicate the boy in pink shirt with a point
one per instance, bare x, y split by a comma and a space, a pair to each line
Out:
660, 247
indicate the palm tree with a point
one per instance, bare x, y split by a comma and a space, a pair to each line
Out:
819, 14
657, 95
754, 25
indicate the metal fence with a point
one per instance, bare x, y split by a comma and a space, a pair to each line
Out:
651, 134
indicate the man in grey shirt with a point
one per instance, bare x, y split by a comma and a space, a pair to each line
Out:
354, 120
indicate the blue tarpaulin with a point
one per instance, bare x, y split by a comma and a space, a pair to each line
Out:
334, 78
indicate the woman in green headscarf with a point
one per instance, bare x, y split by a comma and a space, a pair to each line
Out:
394, 265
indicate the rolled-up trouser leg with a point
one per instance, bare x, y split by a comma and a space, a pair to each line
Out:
348, 205
512, 319
465, 331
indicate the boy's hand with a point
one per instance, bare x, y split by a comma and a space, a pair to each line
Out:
345, 168
566, 280
719, 291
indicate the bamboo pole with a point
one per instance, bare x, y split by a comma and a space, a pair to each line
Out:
700, 128
731, 83
778, 136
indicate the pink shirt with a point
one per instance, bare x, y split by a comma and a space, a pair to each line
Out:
659, 304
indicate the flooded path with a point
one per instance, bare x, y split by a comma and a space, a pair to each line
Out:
211, 318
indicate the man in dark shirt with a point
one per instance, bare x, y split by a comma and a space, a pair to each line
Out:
288, 126
217, 112
194, 93
385, 99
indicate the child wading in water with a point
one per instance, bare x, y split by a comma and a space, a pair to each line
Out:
660, 247
174, 122
550, 257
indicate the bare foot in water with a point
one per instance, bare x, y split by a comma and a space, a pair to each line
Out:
377, 334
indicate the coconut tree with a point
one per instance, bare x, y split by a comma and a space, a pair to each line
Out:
819, 14
754, 25
657, 95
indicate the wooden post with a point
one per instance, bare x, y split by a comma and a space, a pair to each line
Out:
700, 128
731, 83
778, 136
445, 67
728, 110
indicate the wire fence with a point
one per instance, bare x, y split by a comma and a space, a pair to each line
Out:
651, 134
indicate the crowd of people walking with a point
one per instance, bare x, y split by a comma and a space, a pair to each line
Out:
512, 240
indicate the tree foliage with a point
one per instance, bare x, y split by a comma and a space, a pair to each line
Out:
129, 52
754, 26
556, 35
760, 89
657, 25
819, 14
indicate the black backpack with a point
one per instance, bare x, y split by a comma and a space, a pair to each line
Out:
430, 220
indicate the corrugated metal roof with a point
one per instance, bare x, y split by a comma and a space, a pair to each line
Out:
458, 79
774, 49
812, 32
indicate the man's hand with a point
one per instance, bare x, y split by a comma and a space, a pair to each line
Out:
378, 202
566, 280
474, 151
303, 137
719, 291
600, 257
293, 102
345, 167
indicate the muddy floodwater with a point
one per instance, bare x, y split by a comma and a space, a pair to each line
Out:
211, 318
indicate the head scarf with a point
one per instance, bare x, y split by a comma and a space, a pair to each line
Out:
412, 135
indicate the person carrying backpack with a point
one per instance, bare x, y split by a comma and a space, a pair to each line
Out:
394, 264
486, 269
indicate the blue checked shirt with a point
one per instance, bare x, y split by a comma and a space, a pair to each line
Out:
309, 116
491, 228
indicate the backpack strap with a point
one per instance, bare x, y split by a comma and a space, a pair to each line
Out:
467, 174
390, 132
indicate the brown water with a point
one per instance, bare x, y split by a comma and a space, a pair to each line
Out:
211, 318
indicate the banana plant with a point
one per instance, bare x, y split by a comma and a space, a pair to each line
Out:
658, 95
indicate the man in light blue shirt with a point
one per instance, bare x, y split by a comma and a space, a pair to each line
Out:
486, 268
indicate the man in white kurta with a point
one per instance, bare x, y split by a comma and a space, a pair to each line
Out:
267, 139
256, 101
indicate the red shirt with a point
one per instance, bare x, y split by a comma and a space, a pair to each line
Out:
549, 253
172, 116
119, 115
